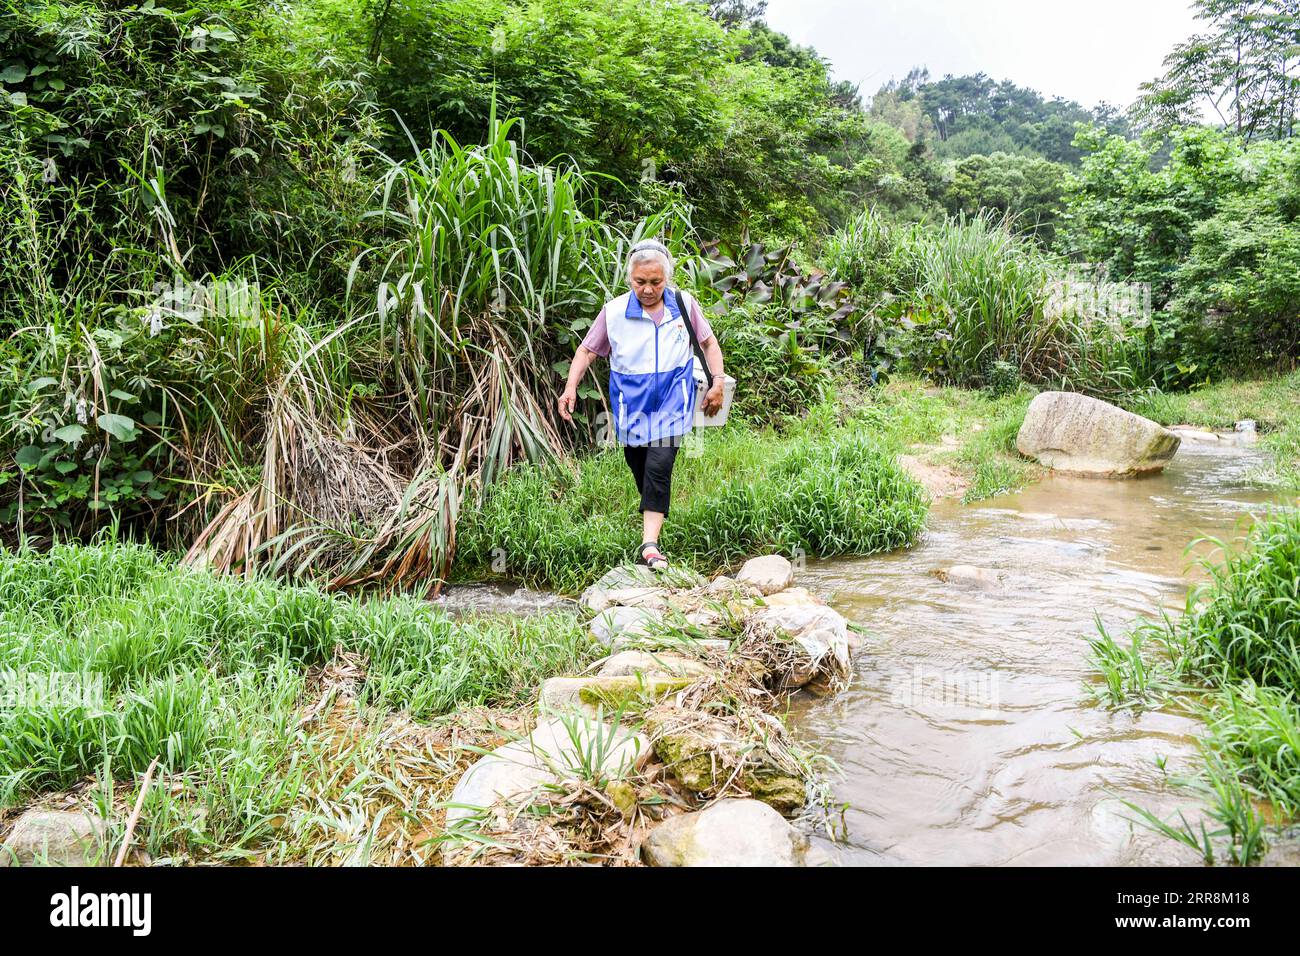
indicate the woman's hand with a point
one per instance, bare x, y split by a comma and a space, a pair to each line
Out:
566, 403
713, 398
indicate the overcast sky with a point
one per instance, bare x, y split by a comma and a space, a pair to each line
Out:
1089, 52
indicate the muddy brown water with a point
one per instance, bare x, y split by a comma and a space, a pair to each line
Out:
967, 736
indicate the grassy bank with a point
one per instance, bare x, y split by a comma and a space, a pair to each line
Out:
1234, 658
818, 489
231, 684
1274, 404
970, 434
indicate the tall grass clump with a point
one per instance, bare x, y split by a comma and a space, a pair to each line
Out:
322, 439
810, 493
486, 271
973, 302
1240, 638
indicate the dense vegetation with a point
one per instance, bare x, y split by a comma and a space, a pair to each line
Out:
314, 292
211, 675
289, 289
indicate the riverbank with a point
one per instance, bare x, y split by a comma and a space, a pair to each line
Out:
1272, 403
1231, 659
300, 726
254, 722
961, 442
292, 725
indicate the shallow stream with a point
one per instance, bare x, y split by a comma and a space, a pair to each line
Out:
967, 736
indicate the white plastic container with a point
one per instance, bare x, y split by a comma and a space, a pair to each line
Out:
701, 388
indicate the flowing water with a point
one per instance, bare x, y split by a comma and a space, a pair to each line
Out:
499, 598
967, 736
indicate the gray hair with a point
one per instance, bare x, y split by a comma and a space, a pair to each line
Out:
651, 250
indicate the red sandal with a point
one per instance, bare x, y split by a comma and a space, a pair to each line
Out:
652, 557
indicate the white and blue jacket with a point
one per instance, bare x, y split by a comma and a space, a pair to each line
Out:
651, 370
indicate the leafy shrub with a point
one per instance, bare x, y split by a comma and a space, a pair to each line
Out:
1212, 231
201, 133
1026, 189
778, 360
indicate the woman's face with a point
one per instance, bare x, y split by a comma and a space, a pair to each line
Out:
648, 282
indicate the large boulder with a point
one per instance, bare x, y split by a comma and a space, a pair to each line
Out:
1081, 435
729, 833
547, 755
770, 573
54, 838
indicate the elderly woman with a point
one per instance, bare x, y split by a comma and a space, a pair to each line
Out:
651, 380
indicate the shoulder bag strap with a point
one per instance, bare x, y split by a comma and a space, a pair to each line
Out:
695, 342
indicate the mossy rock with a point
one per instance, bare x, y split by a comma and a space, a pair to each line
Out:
695, 756
630, 693
623, 795
779, 791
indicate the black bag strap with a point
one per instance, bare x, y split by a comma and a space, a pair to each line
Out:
695, 342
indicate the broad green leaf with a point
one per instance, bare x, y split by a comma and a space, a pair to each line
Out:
28, 455
70, 434
119, 426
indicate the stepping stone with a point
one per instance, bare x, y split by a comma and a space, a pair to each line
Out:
546, 756
770, 573
728, 833
54, 838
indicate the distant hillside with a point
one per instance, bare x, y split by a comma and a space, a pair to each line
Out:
961, 116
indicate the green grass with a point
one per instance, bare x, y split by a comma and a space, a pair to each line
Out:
907, 413
1234, 658
207, 672
819, 489
1274, 404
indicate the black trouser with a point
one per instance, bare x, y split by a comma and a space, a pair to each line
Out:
652, 466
